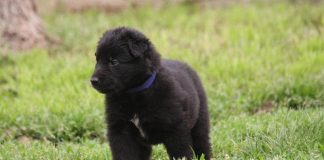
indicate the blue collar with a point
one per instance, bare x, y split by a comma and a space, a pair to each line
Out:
147, 84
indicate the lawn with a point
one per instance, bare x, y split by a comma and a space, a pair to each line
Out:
262, 66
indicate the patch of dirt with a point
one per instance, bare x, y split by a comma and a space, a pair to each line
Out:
112, 6
102, 5
220, 3
24, 140
266, 107
109, 6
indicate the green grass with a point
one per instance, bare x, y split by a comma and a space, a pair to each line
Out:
247, 56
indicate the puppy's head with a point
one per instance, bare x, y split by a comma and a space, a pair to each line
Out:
125, 58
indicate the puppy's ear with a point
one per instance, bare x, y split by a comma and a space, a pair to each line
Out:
137, 48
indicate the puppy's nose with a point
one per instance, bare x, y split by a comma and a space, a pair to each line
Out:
94, 81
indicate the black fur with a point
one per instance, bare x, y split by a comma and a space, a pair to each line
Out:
173, 111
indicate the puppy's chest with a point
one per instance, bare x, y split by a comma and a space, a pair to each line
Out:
148, 128
136, 121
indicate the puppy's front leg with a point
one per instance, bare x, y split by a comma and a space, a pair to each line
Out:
123, 136
179, 146
125, 146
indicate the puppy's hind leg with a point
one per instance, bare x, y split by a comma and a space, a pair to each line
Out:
200, 134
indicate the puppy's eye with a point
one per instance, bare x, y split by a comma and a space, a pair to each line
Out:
113, 61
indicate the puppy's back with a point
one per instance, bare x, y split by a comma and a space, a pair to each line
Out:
181, 71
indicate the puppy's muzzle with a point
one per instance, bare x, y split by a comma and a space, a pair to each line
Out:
95, 81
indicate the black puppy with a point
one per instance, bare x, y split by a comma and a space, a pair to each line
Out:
149, 100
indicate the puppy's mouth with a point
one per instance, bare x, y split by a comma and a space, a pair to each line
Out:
103, 90
101, 85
